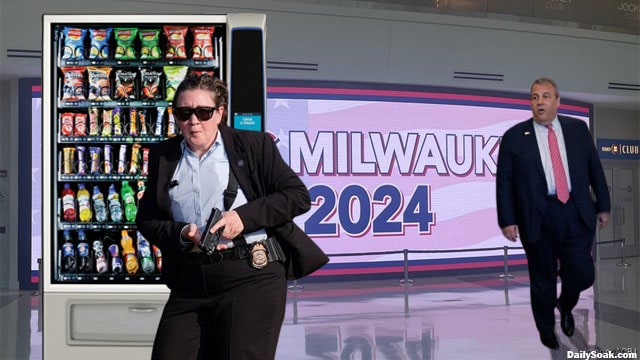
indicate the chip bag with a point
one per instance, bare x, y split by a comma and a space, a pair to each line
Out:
99, 49
125, 87
73, 43
150, 84
99, 83
73, 83
150, 44
125, 38
176, 48
202, 48
174, 76
202, 72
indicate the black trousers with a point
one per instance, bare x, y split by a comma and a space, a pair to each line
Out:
236, 314
565, 241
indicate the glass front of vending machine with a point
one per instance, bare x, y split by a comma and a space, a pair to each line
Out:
107, 91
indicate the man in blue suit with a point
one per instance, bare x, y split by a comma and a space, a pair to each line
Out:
551, 192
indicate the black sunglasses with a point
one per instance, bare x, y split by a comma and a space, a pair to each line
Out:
203, 113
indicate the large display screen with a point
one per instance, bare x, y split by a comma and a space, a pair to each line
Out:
36, 179
29, 170
394, 167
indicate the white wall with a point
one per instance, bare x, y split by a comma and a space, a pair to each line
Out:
359, 44
363, 44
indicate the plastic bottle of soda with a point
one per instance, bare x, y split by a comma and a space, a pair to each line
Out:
68, 203
84, 256
144, 250
68, 253
84, 203
115, 208
129, 253
99, 206
100, 258
116, 261
129, 200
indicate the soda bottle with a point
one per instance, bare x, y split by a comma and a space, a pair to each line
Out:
129, 200
115, 208
100, 258
99, 206
116, 261
84, 256
84, 203
158, 255
144, 250
129, 253
68, 203
68, 253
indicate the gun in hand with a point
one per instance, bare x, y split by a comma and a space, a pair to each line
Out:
209, 240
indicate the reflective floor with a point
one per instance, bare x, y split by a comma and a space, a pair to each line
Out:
454, 317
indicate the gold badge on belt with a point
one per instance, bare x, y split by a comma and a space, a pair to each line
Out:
259, 257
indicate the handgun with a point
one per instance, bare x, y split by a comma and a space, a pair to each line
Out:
209, 240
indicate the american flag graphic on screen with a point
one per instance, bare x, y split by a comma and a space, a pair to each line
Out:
391, 168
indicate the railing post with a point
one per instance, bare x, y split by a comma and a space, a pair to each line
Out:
39, 294
295, 306
295, 286
40, 276
406, 280
406, 301
623, 261
506, 276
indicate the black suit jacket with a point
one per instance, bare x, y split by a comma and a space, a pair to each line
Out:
521, 188
274, 192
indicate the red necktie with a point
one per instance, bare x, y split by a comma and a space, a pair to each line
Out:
562, 188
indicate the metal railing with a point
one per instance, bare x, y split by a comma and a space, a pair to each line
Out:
505, 275
623, 259
406, 281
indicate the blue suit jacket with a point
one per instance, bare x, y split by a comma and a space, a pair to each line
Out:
521, 188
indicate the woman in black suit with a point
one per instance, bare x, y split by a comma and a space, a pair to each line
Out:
230, 303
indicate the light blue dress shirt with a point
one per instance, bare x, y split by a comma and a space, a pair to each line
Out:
201, 185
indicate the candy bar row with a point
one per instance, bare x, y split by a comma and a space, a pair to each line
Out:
101, 160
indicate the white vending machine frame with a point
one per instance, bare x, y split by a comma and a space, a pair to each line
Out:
111, 321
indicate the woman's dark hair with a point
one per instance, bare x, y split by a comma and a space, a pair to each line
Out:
217, 87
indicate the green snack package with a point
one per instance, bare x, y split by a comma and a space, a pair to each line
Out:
174, 76
150, 44
125, 38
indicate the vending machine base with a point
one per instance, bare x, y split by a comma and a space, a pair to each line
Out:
101, 326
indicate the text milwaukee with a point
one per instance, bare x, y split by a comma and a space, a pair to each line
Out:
375, 153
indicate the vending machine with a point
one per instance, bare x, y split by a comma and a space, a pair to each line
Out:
107, 88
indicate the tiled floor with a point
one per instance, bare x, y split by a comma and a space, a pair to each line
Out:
454, 317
